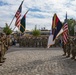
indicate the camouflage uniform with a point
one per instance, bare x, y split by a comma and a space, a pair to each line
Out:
6, 43
73, 50
2, 48
68, 48
45, 42
0, 51
64, 48
40, 42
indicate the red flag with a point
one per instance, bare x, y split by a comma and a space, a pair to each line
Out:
56, 26
18, 15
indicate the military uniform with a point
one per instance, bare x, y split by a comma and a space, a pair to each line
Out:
68, 48
40, 42
73, 50
64, 48
2, 48
0, 51
6, 44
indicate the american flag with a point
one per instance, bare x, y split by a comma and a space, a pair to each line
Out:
18, 15
65, 33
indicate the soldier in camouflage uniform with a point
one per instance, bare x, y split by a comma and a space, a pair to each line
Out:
6, 43
2, 50
68, 48
73, 50
45, 42
64, 48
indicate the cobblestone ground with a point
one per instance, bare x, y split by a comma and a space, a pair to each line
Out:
37, 61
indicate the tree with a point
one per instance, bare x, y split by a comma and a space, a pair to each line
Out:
7, 30
71, 24
36, 32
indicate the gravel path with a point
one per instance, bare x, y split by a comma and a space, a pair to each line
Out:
37, 61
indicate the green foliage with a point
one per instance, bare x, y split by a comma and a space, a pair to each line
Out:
71, 24
36, 32
7, 30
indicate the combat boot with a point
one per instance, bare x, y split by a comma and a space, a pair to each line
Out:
72, 58
67, 56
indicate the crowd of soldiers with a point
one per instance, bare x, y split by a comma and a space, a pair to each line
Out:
70, 48
39, 41
4, 44
32, 41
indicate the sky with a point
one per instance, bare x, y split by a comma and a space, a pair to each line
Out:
40, 12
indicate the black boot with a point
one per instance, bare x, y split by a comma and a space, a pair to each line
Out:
67, 56
0, 64
72, 58
64, 55
4, 58
2, 61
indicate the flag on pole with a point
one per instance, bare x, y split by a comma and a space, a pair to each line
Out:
65, 31
60, 33
23, 23
18, 15
50, 40
56, 26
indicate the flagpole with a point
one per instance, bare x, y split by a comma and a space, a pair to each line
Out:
14, 15
25, 14
14, 28
11, 21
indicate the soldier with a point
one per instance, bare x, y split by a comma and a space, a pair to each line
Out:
73, 51
32, 44
2, 48
68, 48
6, 43
45, 42
64, 48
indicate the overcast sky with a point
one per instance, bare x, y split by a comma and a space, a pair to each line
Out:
40, 13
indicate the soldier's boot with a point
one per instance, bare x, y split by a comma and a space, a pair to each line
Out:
2, 61
4, 58
72, 57
75, 59
64, 54
0, 64
68, 56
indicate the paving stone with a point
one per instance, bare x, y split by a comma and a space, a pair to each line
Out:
37, 61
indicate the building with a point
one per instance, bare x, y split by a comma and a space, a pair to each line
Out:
43, 32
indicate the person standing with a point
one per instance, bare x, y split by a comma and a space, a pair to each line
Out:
73, 52
2, 48
64, 48
68, 47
